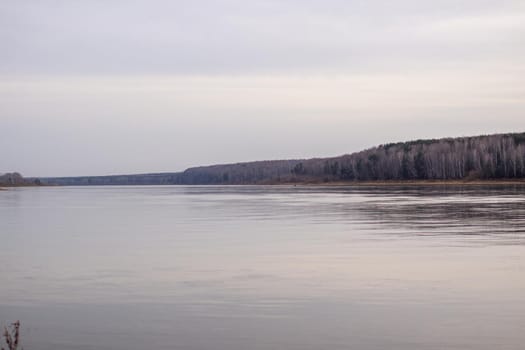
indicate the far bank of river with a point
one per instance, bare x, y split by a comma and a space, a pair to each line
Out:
496, 182
505, 182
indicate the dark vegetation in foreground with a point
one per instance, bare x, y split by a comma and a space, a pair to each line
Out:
490, 157
12, 336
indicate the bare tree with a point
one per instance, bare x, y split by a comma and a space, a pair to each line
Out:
12, 336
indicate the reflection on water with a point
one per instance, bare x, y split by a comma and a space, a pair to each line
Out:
498, 216
257, 267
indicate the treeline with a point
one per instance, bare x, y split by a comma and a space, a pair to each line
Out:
483, 157
116, 180
16, 179
499, 156
240, 173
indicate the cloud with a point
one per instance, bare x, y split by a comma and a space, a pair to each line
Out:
234, 37
96, 87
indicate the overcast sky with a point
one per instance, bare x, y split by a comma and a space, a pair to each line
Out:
108, 87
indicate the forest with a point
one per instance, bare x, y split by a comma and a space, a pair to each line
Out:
16, 179
482, 157
500, 156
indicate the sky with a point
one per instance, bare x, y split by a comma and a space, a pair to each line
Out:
119, 87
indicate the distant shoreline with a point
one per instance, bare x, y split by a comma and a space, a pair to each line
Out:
416, 183
477, 160
382, 183
6, 187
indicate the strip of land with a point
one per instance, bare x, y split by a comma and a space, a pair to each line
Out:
499, 182
487, 159
479, 160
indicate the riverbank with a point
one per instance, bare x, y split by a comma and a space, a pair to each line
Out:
505, 182
5, 187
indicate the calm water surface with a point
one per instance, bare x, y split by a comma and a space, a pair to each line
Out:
254, 267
